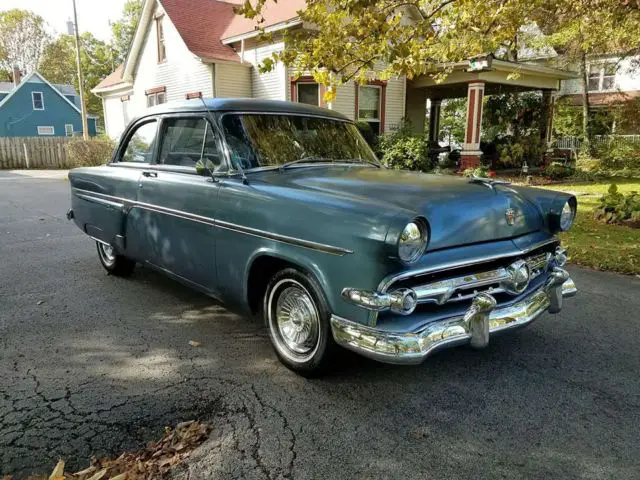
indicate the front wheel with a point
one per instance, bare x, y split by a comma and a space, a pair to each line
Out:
298, 318
113, 263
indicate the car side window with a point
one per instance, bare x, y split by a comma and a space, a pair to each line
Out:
185, 141
140, 145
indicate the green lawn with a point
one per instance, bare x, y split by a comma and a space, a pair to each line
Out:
598, 245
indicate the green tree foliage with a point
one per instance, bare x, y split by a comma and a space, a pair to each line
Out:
514, 114
23, 38
124, 29
352, 38
453, 114
97, 60
577, 29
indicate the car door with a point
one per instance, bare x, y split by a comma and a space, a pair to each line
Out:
176, 206
134, 154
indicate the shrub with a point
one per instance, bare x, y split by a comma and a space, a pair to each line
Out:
557, 171
403, 150
481, 171
618, 154
616, 207
89, 153
367, 132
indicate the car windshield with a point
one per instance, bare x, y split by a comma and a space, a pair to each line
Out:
263, 140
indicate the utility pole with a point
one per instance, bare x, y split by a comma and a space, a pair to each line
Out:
85, 127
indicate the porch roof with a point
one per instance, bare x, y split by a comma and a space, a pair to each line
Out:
499, 76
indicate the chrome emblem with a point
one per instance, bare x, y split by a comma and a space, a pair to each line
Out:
512, 215
519, 277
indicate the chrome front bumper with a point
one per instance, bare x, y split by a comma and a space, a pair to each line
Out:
481, 319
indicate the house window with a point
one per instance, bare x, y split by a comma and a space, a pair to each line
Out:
68, 130
37, 99
306, 90
609, 76
156, 96
370, 106
602, 77
162, 51
308, 93
46, 130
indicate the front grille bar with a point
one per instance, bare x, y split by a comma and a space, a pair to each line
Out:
457, 289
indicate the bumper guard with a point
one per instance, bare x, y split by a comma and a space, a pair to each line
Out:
480, 321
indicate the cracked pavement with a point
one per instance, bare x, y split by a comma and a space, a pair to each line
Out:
94, 365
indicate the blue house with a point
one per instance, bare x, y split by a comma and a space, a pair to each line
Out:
35, 108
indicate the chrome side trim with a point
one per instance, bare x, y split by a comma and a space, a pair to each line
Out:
321, 247
129, 204
101, 201
391, 279
481, 320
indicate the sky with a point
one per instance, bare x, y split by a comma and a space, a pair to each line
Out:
93, 15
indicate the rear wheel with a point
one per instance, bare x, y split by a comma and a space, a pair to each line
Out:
113, 263
298, 317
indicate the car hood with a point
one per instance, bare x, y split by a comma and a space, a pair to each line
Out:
458, 211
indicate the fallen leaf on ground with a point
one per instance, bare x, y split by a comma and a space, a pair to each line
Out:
193, 343
151, 463
58, 472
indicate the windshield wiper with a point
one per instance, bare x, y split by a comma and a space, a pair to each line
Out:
307, 159
316, 159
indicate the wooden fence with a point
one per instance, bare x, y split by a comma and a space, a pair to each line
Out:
33, 152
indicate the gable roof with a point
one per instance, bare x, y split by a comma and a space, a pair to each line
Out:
273, 14
65, 89
46, 82
111, 80
6, 87
201, 24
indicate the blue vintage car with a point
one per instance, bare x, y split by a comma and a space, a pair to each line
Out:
283, 210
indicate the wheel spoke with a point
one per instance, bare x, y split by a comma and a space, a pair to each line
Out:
297, 320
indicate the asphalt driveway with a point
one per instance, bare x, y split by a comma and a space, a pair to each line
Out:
93, 365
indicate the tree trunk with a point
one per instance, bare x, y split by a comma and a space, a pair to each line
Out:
586, 131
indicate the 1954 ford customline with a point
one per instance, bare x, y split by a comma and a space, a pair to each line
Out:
283, 209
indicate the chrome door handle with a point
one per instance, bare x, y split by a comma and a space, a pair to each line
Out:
150, 174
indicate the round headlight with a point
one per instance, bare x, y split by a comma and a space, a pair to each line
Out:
413, 241
567, 216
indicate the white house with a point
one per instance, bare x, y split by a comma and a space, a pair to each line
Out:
610, 80
201, 48
186, 49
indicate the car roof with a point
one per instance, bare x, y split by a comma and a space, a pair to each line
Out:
242, 105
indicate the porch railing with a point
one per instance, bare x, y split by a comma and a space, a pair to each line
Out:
574, 143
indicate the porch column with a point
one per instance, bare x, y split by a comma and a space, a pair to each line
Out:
434, 120
470, 155
546, 119
416, 108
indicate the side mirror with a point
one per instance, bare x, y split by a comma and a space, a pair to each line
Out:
205, 167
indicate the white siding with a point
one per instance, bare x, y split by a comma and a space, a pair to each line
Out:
232, 80
271, 85
345, 101
627, 79
181, 73
113, 116
394, 113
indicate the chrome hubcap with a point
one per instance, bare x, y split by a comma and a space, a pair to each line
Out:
297, 319
107, 253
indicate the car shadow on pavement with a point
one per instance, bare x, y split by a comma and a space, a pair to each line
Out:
139, 354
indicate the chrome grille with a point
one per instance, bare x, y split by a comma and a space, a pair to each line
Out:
466, 287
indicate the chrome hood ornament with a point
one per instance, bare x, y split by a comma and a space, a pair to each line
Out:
512, 215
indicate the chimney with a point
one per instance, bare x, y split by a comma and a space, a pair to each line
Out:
17, 76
